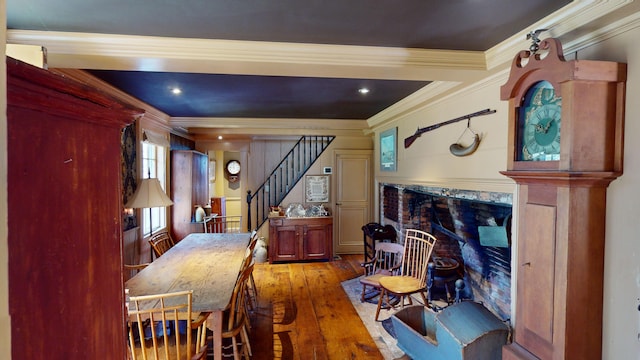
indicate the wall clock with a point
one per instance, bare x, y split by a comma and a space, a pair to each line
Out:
566, 121
233, 170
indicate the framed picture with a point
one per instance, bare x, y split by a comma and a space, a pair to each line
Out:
388, 147
316, 188
212, 171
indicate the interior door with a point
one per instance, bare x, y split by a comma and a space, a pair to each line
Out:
353, 199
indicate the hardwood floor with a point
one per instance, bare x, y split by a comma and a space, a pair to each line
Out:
303, 313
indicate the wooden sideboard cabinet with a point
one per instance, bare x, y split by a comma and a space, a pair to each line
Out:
298, 239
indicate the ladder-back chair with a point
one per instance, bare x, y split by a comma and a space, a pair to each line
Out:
150, 340
385, 262
161, 242
223, 224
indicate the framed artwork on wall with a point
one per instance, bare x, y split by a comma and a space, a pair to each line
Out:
316, 188
388, 149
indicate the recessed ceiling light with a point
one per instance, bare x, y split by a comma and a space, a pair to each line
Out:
219, 137
176, 91
363, 91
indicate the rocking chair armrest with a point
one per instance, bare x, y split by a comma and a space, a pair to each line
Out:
367, 263
395, 268
202, 317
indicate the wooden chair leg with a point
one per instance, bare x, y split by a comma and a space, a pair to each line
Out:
424, 298
383, 293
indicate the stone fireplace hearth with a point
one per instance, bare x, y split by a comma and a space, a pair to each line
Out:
453, 217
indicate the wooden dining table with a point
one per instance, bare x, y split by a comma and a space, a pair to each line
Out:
207, 264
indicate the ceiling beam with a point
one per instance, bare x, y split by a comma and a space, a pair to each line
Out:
148, 53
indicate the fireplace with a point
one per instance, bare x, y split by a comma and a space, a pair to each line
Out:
454, 217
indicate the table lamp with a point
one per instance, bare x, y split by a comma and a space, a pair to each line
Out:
149, 194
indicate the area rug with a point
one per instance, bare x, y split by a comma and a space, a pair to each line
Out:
367, 311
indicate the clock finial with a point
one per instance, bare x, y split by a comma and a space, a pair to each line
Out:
533, 36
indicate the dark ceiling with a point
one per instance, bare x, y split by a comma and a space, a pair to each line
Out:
425, 24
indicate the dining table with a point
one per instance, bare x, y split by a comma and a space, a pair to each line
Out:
207, 264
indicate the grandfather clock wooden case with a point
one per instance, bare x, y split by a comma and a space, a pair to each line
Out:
66, 292
562, 202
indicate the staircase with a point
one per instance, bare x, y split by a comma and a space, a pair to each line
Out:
284, 177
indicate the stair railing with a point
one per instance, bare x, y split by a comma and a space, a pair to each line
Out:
284, 177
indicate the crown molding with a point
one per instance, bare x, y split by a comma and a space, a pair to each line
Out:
267, 123
200, 127
573, 16
151, 114
412, 103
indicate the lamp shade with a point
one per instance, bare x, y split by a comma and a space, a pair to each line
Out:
149, 194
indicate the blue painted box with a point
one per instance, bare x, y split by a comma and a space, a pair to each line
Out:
465, 330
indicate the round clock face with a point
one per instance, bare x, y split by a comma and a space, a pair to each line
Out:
539, 124
233, 167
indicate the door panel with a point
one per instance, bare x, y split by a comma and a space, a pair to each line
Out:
316, 238
353, 198
286, 245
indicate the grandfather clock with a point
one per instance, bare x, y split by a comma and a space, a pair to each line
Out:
566, 121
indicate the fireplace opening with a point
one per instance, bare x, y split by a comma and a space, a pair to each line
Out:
456, 218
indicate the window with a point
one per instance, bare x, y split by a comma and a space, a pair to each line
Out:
154, 166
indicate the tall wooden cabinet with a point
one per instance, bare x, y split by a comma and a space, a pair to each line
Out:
296, 239
66, 292
188, 188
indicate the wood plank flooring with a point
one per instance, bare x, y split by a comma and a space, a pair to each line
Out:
304, 314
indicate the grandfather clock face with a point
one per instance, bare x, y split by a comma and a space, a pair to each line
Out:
539, 124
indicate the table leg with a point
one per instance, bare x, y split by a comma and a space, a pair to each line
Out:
217, 334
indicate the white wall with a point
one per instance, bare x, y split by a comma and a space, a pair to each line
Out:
428, 161
621, 325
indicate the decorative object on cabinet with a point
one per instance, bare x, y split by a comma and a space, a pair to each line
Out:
388, 149
189, 187
316, 188
63, 148
295, 239
409, 140
199, 213
561, 196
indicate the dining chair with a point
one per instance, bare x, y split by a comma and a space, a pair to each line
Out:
223, 224
385, 262
236, 315
161, 242
251, 290
418, 246
149, 339
134, 268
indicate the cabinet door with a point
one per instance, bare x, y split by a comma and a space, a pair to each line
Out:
285, 246
316, 239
